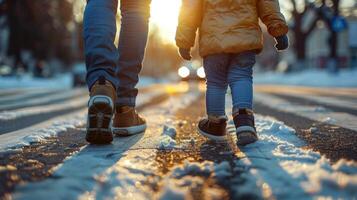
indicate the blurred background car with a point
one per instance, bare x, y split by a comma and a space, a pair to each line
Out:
191, 71
79, 75
5, 70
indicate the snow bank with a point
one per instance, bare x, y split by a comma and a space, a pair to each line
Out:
313, 77
63, 81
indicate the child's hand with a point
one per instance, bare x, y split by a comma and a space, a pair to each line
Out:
185, 53
282, 42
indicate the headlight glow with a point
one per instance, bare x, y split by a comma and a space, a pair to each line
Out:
201, 72
183, 72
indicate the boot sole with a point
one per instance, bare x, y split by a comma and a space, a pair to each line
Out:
100, 112
246, 135
212, 137
128, 131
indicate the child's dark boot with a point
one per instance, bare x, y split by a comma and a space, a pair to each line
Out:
213, 127
245, 127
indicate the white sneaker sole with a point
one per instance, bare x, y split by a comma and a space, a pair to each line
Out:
212, 137
99, 120
127, 131
245, 129
100, 99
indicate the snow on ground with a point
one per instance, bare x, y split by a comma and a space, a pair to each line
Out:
117, 171
167, 138
278, 165
281, 167
63, 81
42, 131
312, 77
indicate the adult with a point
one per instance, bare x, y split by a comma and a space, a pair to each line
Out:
112, 72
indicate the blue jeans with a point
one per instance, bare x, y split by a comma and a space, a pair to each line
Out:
233, 70
121, 65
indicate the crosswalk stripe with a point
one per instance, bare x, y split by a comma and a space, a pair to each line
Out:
316, 113
21, 103
26, 95
339, 101
342, 92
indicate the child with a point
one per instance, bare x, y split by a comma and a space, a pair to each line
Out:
229, 39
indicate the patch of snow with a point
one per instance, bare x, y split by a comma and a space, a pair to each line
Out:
312, 77
166, 142
40, 132
281, 168
192, 168
161, 116
173, 192
329, 120
167, 139
222, 171
190, 175
169, 130
63, 81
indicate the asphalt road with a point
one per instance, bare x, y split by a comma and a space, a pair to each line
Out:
323, 119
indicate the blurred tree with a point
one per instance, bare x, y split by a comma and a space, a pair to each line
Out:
17, 27
42, 27
305, 15
300, 15
330, 16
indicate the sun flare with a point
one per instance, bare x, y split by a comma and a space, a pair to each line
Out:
164, 15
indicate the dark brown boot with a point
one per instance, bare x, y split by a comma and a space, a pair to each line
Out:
100, 112
213, 127
245, 127
128, 122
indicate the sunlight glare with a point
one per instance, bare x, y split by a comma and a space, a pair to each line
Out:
164, 15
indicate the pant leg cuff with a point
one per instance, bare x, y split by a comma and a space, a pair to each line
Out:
243, 106
92, 77
216, 113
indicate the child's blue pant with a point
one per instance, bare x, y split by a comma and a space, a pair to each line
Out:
235, 70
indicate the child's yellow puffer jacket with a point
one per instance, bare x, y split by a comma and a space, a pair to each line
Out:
228, 26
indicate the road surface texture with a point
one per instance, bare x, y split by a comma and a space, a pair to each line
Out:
307, 147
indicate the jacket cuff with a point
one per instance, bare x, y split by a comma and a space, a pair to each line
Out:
185, 37
278, 30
